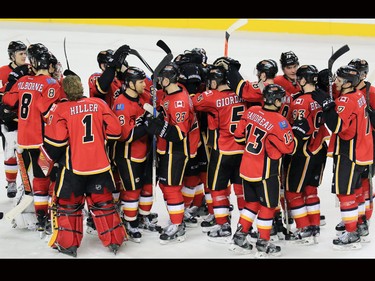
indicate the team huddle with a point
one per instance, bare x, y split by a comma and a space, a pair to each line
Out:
197, 131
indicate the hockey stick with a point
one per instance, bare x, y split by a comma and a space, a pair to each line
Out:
331, 61
164, 46
18, 209
135, 53
66, 57
165, 61
236, 25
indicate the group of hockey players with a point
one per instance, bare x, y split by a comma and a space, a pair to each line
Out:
202, 131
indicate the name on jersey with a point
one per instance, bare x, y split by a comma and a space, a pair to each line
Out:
31, 86
263, 122
83, 108
228, 101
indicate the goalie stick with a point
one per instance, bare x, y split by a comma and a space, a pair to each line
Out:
331, 61
18, 209
236, 25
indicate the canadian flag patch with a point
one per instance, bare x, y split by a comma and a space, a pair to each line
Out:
179, 103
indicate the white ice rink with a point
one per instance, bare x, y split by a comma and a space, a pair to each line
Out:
83, 44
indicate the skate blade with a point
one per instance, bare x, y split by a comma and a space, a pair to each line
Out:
208, 228
172, 241
263, 255
135, 240
304, 241
221, 240
191, 225
365, 239
239, 250
352, 246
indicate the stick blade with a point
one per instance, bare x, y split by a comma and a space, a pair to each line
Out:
336, 55
166, 60
163, 46
236, 25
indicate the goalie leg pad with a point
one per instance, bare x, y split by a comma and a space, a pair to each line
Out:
106, 218
68, 223
10, 144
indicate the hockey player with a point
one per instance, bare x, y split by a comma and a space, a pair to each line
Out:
225, 109
306, 166
106, 85
19, 67
132, 149
251, 92
288, 80
80, 126
192, 67
173, 128
351, 146
267, 136
35, 95
363, 196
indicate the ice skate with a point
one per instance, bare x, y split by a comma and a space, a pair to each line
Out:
173, 233
11, 189
221, 233
91, 228
149, 223
71, 251
133, 231
240, 242
266, 249
304, 236
208, 223
347, 241
189, 219
363, 231
340, 228
114, 248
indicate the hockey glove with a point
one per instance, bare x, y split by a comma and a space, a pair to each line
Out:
119, 57
141, 120
7, 114
323, 80
233, 77
155, 125
45, 162
301, 127
226, 62
16, 74
325, 101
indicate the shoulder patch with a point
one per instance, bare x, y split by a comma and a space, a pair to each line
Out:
283, 124
120, 106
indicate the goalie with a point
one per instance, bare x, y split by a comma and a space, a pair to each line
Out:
75, 136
